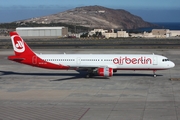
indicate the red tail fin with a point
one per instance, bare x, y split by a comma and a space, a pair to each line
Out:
24, 55
20, 47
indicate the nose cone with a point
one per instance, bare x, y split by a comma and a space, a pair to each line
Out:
171, 64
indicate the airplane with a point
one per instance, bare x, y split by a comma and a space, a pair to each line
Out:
104, 65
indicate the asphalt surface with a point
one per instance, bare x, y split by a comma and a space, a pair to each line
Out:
97, 44
30, 93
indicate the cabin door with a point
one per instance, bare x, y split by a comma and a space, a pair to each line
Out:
78, 61
155, 60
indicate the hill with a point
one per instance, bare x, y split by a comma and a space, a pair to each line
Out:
95, 17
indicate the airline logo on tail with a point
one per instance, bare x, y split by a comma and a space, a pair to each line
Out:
18, 44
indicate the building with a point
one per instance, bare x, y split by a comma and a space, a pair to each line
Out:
115, 35
148, 35
97, 30
136, 35
110, 35
161, 33
43, 31
122, 34
175, 33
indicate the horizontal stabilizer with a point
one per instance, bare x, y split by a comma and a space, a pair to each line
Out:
15, 58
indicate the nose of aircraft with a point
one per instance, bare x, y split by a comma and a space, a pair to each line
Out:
171, 64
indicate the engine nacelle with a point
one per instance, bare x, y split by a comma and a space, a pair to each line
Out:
105, 72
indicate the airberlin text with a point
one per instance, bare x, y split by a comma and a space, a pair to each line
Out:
127, 60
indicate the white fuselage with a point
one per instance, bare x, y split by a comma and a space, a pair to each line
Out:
115, 61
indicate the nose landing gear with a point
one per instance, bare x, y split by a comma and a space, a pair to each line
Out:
154, 73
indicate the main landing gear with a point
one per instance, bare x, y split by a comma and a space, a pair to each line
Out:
89, 74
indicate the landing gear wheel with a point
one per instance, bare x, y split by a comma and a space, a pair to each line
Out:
154, 73
89, 75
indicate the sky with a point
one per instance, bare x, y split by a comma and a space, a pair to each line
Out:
148, 10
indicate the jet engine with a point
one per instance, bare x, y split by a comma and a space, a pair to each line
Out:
105, 72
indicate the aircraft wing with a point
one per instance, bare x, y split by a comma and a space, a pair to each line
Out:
91, 67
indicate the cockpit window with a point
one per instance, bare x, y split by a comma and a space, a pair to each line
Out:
164, 60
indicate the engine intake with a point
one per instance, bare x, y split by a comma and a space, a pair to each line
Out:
105, 72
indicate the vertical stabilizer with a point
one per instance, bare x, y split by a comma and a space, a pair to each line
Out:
19, 46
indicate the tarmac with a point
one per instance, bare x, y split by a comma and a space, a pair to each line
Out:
30, 93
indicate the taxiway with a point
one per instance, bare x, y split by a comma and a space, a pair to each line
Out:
32, 93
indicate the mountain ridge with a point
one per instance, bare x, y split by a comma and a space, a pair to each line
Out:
95, 17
